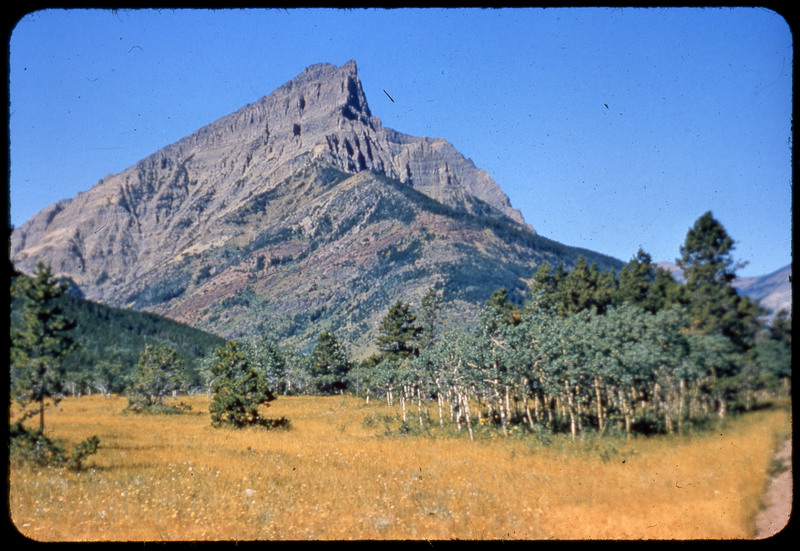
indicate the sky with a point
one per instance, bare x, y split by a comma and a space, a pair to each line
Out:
610, 129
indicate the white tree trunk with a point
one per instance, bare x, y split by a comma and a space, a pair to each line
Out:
465, 402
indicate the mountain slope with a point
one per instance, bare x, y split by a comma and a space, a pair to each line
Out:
344, 253
773, 291
296, 213
112, 339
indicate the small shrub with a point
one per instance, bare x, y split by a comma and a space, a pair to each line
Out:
158, 409
274, 423
33, 445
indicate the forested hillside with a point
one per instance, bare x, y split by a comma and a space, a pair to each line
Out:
110, 341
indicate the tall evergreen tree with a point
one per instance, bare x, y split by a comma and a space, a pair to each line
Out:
605, 289
239, 388
268, 359
399, 332
780, 328
773, 352
643, 283
709, 270
428, 318
585, 288
39, 341
706, 254
329, 364
636, 279
544, 293
498, 311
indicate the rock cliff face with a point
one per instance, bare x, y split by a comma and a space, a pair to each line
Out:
296, 212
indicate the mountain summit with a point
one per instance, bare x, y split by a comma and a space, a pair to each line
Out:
297, 212
323, 114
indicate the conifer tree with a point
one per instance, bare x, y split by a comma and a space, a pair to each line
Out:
40, 340
268, 358
636, 279
399, 332
643, 283
773, 352
239, 388
583, 289
780, 329
706, 254
498, 311
709, 270
428, 318
544, 294
605, 289
329, 364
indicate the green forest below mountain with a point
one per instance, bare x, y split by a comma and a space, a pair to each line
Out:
587, 350
110, 341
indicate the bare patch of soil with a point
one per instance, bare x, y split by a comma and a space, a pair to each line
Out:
778, 501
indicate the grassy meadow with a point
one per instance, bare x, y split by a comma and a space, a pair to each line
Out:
344, 471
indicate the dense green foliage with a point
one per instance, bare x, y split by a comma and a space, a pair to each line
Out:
330, 364
39, 341
628, 352
399, 333
631, 351
32, 445
239, 388
111, 340
158, 375
268, 359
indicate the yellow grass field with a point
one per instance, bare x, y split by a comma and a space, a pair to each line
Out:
334, 476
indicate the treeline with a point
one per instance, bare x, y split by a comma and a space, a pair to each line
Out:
632, 351
586, 350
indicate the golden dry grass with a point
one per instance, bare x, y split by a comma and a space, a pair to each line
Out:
333, 476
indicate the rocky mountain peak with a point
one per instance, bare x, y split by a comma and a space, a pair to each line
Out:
351, 100
323, 114
321, 91
305, 177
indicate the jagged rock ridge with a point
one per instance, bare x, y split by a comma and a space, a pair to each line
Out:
298, 206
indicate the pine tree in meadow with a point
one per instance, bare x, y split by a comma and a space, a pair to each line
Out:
329, 364
40, 340
399, 332
269, 359
239, 389
709, 270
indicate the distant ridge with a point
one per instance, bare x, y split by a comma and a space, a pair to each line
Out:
773, 291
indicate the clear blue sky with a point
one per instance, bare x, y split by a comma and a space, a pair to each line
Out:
609, 129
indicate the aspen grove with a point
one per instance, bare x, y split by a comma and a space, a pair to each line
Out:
630, 353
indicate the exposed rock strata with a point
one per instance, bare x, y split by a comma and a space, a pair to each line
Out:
302, 182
